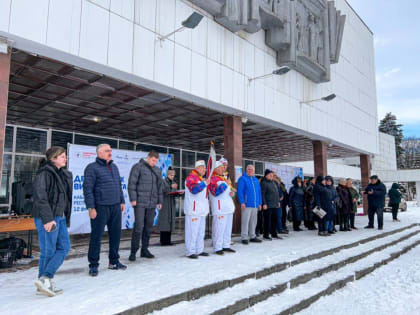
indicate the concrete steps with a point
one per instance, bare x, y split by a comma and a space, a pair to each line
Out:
314, 273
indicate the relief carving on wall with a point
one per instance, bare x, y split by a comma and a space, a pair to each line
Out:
306, 34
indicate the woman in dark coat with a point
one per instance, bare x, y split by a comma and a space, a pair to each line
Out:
166, 218
297, 202
394, 200
309, 204
344, 205
322, 200
284, 204
330, 218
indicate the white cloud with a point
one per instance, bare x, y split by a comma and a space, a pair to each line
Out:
406, 110
380, 41
380, 77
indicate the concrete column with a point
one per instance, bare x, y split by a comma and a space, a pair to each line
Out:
233, 153
365, 175
418, 193
4, 91
320, 158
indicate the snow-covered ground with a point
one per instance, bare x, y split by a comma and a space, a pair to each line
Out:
170, 273
391, 289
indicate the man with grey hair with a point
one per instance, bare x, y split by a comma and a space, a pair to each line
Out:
249, 195
104, 199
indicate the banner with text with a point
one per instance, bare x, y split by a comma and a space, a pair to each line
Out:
79, 157
286, 173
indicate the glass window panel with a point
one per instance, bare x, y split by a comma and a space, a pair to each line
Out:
148, 148
177, 178
8, 141
176, 157
246, 163
31, 141
25, 168
5, 178
203, 156
61, 139
188, 158
259, 168
94, 141
125, 145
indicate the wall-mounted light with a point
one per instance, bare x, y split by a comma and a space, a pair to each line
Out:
327, 98
191, 22
279, 71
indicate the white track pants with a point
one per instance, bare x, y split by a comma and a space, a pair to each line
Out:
195, 228
222, 231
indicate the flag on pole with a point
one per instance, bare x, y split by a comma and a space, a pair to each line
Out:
211, 163
212, 160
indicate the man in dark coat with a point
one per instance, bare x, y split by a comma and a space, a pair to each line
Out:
344, 205
394, 200
145, 192
322, 200
309, 204
105, 200
166, 218
297, 202
270, 192
376, 192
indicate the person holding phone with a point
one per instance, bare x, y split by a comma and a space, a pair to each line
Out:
52, 196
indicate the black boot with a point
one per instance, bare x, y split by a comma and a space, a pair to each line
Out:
132, 257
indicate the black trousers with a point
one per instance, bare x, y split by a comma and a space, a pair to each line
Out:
321, 224
109, 216
165, 238
352, 216
395, 212
371, 215
143, 224
344, 221
267, 221
284, 217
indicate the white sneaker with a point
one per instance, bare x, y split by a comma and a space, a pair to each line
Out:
44, 286
54, 288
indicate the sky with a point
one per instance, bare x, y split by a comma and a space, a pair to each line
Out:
396, 28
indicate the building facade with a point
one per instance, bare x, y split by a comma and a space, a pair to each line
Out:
101, 68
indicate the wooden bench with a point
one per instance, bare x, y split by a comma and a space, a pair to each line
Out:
19, 224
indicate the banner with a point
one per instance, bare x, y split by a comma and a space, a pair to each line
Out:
79, 157
286, 173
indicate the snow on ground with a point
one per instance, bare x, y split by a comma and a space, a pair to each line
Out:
170, 273
391, 289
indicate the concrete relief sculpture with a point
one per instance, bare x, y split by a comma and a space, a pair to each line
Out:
306, 34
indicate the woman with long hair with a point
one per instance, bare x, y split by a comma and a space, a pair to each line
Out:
52, 195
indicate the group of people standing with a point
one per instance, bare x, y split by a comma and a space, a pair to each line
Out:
264, 208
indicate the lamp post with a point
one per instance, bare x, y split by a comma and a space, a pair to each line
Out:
191, 22
279, 71
327, 98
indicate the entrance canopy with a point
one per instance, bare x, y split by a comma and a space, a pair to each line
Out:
51, 94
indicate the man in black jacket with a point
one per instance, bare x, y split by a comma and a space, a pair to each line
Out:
145, 192
376, 192
105, 200
271, 197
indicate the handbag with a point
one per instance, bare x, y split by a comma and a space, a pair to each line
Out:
319, 212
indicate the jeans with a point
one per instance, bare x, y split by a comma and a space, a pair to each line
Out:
395, 211
143, 225
54, 247
109, 216
329, 226
276, 221
371, 214
321, 224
